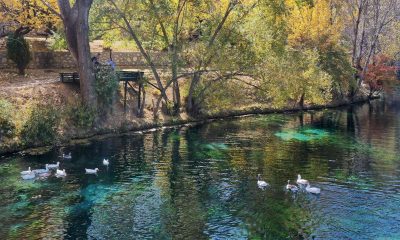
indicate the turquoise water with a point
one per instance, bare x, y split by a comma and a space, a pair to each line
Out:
199, 182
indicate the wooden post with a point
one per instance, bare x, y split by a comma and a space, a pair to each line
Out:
139, 96
126, 85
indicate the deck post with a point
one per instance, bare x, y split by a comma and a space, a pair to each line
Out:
125, 90
139, 96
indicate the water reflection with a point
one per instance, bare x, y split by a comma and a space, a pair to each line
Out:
199, 182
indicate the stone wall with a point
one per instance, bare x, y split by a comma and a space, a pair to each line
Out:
63, 59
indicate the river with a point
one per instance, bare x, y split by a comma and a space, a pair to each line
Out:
200, 181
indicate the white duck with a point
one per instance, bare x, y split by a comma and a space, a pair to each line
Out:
291, 187
61, 173
91, 171
106, 162
301, 181
26, 172
28, 176
40, 171
53, 166
67, 156
261, 184
312, 190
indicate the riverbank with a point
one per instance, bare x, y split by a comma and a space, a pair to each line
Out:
149, 125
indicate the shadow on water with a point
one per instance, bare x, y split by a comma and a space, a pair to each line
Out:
199, 182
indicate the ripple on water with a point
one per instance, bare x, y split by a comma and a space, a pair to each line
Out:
199, 182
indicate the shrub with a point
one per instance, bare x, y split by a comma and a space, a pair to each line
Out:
18, 52
58, 41
81, 115
7, 126
106, 85
41, 126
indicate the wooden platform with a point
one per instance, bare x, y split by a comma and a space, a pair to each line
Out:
126, 77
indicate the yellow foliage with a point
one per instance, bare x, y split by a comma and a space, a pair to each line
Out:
28, 13
313, 26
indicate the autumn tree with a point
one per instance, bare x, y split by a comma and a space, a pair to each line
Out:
22, 16
188, 32
318, 25
379, 73
75, 18
367, 21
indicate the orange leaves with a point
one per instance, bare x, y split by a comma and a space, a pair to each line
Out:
382, 69
29, 13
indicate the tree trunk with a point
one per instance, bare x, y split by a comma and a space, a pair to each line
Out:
76, 25
301, 101
21, 71
85, 65
191, 106
175, 86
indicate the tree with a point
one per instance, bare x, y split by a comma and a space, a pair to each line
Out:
18, 51
187, 31
76, 25
312, 25
367, 21
26, 15
382, 70
294, 77
319, 26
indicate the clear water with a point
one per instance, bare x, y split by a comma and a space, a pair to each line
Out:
199, 182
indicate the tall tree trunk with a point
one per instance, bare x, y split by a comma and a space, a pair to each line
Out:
76, 25
85, 65
174, 65
191, 106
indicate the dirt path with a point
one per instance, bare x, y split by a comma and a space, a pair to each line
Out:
10, 80
36, 86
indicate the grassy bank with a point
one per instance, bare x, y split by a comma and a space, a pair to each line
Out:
127, 126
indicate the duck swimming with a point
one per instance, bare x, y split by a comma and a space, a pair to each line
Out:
106, 162
291, 187
53, 166
29, 176
261, 184
61, 173
301, 181
91, 171
41, 171
313, 190
27, 171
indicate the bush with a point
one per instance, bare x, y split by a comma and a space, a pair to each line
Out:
18, 52
81, 115
7, 126
41, 126
106, 85
58, 41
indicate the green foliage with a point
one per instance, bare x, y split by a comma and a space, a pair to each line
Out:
106, 85
81, 115
224, 95
58, 41
18, 52
336, 63
286, 77
7, 126
41, 126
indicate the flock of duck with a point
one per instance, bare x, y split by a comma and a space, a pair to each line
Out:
32, 174
293, 188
